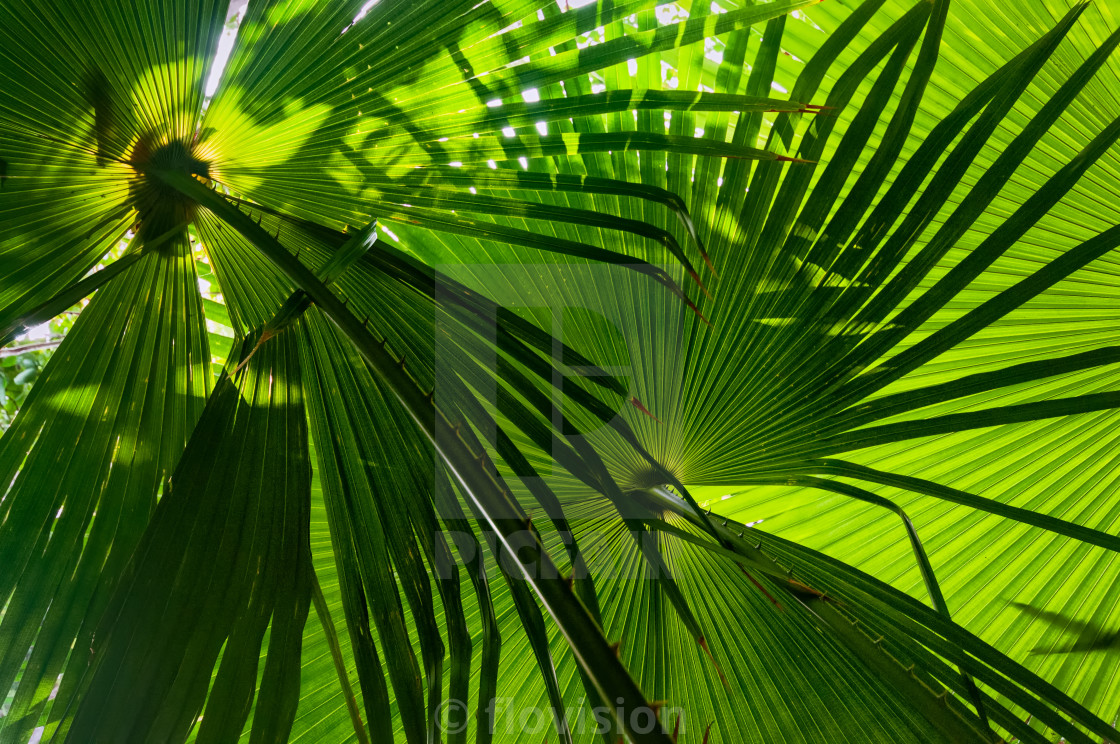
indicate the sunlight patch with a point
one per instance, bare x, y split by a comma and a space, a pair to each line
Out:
242, 137
670, 14
361, 14
669, 77
713, 50
591, 38
566, 5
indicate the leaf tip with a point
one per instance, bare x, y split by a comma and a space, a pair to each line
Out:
722, 677
638, 404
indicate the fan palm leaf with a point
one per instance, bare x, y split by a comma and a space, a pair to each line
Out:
550, 297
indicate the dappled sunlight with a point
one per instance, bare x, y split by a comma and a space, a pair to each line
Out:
243, 148
615, 330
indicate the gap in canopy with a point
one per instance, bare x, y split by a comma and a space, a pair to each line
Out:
234, 16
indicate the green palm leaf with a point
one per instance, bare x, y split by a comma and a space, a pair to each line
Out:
628, 272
